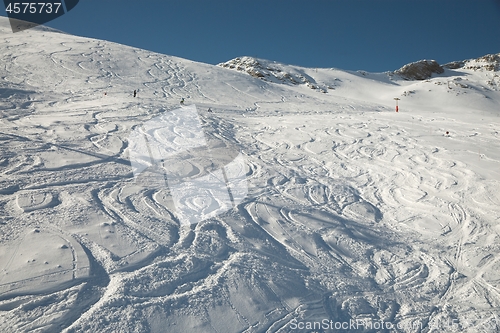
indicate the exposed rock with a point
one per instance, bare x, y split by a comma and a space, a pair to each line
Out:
269, 71
489, 62
420, 70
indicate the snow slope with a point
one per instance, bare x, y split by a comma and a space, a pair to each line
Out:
352, 211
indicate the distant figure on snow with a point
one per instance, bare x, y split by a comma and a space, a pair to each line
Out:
209, 110
135, 93
182, 101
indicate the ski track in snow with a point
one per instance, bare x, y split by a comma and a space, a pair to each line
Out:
353, 211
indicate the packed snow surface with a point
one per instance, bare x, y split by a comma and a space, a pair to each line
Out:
351, 212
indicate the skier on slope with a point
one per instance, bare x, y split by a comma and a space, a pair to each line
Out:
182, 101
135, 93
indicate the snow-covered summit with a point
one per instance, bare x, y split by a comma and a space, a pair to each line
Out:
271, 71
425, 69
331, 80
489, 62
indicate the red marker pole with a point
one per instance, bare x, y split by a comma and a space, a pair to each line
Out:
397, 107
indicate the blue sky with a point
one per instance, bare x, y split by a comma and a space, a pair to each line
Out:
372, 35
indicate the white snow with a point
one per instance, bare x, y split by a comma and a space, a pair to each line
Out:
350, 210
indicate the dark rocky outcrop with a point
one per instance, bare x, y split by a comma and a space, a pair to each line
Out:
420, 70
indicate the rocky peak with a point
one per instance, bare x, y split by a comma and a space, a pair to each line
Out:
489, 62
419, 70
268, 70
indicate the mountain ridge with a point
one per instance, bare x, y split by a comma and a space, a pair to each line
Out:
273, 71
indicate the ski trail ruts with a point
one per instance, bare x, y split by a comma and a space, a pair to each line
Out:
94, 62
300, 244
434, 185
162, 71
487, 197
29, 283
221, 129
459, 217
20, 164
422, 270
490, 293
107, 141
301, 230
148, 218
77, 252
14, 253
20, 154
421, 184
239, 91
180, 80
159, 71
478, 276
59, 58
269, 215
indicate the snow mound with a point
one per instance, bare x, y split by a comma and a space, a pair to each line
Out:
41, 261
